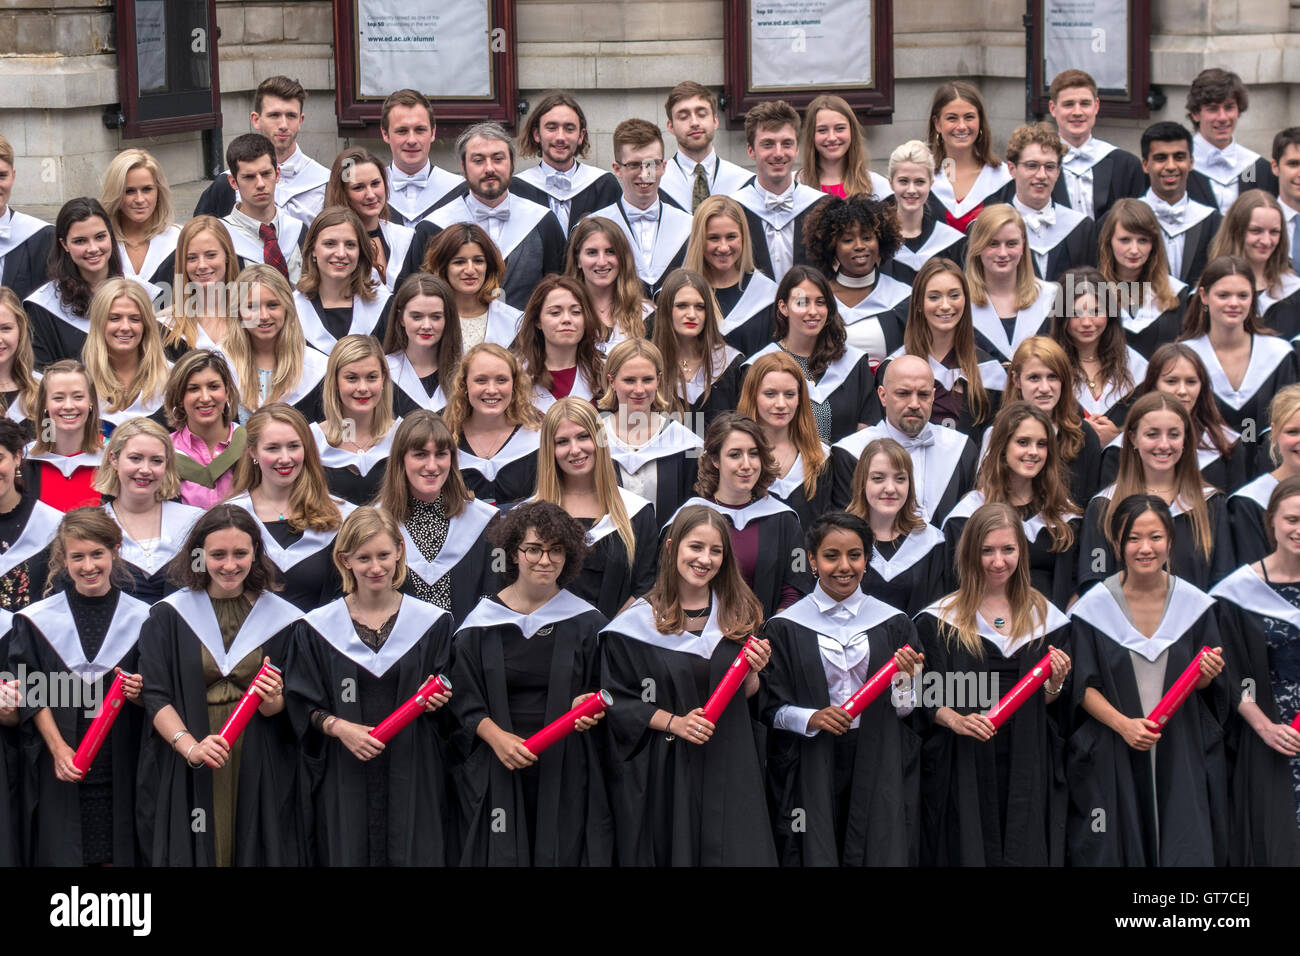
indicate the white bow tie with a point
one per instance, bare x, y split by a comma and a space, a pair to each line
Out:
1076, 153
635, 215
401, 181
558, 181
1220, 158
1171, 215
923, 440
785, 202
1037, 220
500, 213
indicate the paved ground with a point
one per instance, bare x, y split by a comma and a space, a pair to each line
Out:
184, 197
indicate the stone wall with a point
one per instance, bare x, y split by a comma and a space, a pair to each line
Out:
58, 71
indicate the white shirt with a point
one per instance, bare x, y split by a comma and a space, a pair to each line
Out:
492, 225
292, 254
643, 230
780, 238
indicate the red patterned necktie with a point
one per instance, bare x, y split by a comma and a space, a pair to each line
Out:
271, 253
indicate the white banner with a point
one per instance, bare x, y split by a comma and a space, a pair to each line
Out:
439, 47
819, 43
1088, 35
151, 45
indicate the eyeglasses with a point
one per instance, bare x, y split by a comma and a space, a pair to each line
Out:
648, 166
534, 554
1032, 166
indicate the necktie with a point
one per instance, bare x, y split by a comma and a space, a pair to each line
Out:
402, 182
271, 253
1036, 220
700, 191
784, 203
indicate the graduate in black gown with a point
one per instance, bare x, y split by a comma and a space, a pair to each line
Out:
408, 126
721, 250
203, 308
1157, 457
600, 258
657, 455
687, 791
357, 432
496, 427
1023, 469
575, 472
1255, 229
25, 250
844, 790
1131, 256
1247, 364
17, 364
809, 329
1187, 224
924, 237
69, 647
736, 470
989, 796
524, 657
1259, 614
443, 525
124, 354
81, 258
961, 142
280, 482
422, 343
139, 475
339, 293
1246, 506
775, 395
138, 201
354, 662
201, 650
703, 371
559, 342
359, 180
1094, 173
905, 568
1142, 793
1008, 304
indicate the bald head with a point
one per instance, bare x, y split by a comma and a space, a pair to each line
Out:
907, 394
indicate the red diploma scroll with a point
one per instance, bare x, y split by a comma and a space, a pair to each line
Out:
101, 725
1295, 724
1181, 690
557, 730
396, 722
246, 707
727, 687
1025, 688
868, 692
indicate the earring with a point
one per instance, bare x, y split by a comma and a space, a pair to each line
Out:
255, 461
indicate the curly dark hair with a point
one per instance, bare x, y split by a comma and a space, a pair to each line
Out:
187, 572
833, 217
552, 524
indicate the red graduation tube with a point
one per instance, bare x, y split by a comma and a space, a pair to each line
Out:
398, 720
1295, 723
246, 707
1025, 688
727, 687
1179, 692
866, 695
98, 730
560, 728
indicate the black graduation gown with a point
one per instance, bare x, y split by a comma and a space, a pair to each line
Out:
306, 563
1189, 795
748, 312
532, 244
1226, 474
883, 819
595, 189
269, 830
961, 813
10, 768
307, 396
45, 642
440, 187
805, 198
328, 660
848, 385
1051, 572
993, 376
1084, 470
724, 394
1188, 561
1258, 175
937, 240
1034, 319
676, 803
1261, 795
508, 476
149, 581
884, 309
607, 579
1147, 328
354, 476
323, 327
575, 826
782, 561
1282, 314
668, 250
790, 491
26, 253
465, 555
1074, 245
1273, 366
1246, 509
913, 578
1117, 175
55, 332
953, 460
674, 454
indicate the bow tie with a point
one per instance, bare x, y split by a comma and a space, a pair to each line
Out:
1220, 158
1036, 220
923, 440
558, 181
1170, 215
500, 213
635, 215
785, 203
1076, 154
401, 181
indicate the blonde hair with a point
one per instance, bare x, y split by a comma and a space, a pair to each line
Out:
151, 370
359, 527
857, 162
91, 439
21, 367
107, 481
520, 411
189, 298
349, 349
290, 346
619, 356
913, 151
986, 226
310, 504
803, 426
716, 207
1280, 410
550, 480
115, 191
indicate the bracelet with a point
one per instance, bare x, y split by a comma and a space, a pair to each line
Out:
178, 735
192, 766
669, 729
329, 722
1048, 687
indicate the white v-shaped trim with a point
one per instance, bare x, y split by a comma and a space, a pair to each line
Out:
463, 532
1186, 605
37, 534
1246, 589
362, 461
564, 606
365, 316
524, 217
1267, 352
740, 517
334, 624
311, 541
759, 294
638, 623
54, 619
914, 548
269, 615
